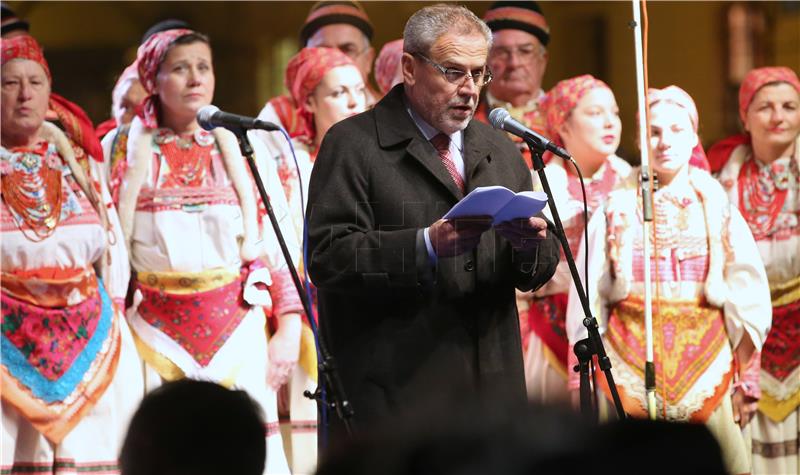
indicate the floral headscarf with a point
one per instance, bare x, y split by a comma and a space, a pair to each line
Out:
149, 58
25, 47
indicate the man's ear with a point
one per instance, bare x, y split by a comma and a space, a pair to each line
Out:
408, 65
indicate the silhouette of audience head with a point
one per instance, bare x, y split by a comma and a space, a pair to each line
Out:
192, 427
483, 436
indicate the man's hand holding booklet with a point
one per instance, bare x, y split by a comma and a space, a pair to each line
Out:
500, 203
511, 214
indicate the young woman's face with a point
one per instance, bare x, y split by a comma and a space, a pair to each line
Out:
593, 127
672, 138
339, 95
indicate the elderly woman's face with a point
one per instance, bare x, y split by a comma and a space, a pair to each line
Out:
672, 138
185, 80
339, 95
773, 116
25, 94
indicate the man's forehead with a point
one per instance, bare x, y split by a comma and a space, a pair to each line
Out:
336, 35
471, 49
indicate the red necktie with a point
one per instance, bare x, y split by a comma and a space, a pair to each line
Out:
442, 144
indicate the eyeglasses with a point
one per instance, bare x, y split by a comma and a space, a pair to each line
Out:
526, 52
480, 77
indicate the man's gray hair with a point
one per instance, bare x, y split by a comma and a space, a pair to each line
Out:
429, 24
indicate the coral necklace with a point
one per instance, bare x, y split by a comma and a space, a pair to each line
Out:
32, 189
188, 162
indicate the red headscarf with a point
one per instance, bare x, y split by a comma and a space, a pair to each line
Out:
25, 47
76, 123
681, 98
719, 154
557, 105
304, 73
148, 59
387, 63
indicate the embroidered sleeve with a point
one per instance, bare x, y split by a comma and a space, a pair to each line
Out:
284, 294
749, 378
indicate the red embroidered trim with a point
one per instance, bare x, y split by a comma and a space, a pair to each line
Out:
672, 269
175, 198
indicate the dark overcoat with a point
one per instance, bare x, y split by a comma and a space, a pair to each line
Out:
394, 323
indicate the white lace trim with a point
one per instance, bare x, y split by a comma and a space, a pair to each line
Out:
781, 390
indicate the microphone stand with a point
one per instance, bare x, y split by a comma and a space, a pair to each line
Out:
327, 368
593, 345
646, 183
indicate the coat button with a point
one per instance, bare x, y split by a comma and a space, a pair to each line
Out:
469, 266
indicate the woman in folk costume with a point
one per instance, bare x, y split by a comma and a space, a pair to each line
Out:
328, 87
128, 93
711, 308
126, 96
582, 116
71, 378
201, 251
760, 170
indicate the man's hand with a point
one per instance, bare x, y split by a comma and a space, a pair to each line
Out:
453, 237
524, 233
284, 350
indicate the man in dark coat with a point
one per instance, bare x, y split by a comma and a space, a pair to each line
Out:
406, 298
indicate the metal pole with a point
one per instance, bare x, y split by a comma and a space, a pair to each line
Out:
647, 213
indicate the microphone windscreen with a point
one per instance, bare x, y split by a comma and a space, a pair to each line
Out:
497, 117
204, 116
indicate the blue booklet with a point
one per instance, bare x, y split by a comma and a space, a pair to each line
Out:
500, 203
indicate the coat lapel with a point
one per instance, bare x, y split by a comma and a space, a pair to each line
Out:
395, 127
477, 154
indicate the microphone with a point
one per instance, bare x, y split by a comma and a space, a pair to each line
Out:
210, 117
501, 119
